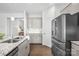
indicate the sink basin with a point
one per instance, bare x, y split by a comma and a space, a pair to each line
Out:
18, 37
10, 41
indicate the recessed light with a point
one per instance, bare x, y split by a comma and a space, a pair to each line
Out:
12, 18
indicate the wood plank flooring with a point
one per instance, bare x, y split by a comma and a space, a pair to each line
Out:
40, 50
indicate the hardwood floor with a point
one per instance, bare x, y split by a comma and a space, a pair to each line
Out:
40, 50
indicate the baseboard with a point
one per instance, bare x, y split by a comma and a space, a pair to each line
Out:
35, 43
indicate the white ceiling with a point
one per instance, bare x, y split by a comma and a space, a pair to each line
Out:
31, 8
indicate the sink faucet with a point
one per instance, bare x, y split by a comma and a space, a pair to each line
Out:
11, 37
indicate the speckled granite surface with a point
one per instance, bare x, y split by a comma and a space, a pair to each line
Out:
75, 42
5, 48
75, 48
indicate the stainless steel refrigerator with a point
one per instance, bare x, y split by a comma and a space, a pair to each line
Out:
64, 30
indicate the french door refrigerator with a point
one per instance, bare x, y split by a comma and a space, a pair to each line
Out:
64, 29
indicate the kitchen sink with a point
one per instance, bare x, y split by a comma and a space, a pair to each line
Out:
10, 41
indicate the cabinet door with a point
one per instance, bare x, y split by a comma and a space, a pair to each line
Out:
27, 50
22, 48
59, 8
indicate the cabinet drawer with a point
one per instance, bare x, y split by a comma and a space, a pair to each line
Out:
27, 50
22, 48
59, 44
58, 51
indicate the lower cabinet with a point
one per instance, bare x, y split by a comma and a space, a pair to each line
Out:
23, 48
75, 50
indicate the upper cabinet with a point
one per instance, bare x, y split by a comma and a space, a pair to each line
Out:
72, 8
59, 7
64, 8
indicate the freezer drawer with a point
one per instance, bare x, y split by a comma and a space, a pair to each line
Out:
58, 52
59, 44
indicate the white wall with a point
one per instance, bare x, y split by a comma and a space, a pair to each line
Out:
25, 23
47, 16
3, 20
2, 24
35, 34
34, 24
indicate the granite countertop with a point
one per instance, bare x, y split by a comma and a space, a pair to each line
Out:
75, 42
5, 48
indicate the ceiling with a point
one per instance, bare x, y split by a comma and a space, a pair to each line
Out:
31, 8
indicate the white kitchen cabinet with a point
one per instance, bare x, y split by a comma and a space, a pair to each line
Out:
23, 48
59, 8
